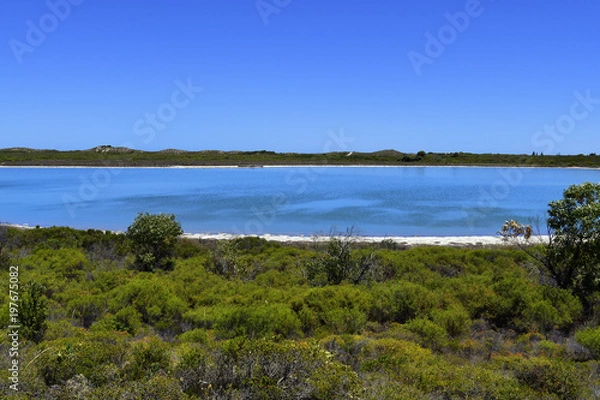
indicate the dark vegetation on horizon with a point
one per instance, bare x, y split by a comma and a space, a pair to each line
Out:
120, 157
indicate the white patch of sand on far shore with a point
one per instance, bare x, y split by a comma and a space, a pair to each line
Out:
401, 240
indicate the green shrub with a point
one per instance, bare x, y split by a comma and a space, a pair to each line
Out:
590, 338
226, 260
86, 308
159, 387
339, 263
186, 248
344, 320
154, 299
127, 319
194, 336
257, 322
568, 306
153, 238
334, 381
55, 267
429, 333
263, 369
148, 357
98, 357
541, 316
400, 302
336, 309
33, 311
455, 320
547, 376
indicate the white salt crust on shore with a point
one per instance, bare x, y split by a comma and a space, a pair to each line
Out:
401, 240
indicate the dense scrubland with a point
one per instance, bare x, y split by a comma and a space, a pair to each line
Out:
251, 319
119, 157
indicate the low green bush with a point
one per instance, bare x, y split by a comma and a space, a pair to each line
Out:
258, 322
455, 320
334, 309
98, 357
261, 369
147, 358
548, 377
590, 338
428, 332
400, 301
194, 336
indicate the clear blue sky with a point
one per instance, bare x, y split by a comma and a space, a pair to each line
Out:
103, 68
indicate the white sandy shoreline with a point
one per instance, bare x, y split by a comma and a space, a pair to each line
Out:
401, 240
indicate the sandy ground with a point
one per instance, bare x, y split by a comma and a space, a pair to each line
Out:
401, 240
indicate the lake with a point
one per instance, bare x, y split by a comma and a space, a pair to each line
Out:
376, 201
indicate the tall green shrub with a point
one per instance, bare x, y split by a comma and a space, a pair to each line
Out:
153, 238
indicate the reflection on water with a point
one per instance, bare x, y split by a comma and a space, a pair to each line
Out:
376, 201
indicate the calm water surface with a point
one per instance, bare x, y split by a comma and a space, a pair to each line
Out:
376, 201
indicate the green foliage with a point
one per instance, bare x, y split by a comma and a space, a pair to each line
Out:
258, 322
127, 319
56, 266
153, 238
187, 248
574, 253
98, 357
106, 244
159, 387
226, 260
86, 308
338, 263
571, 258
155, 301
148, 357
194, 336
261, 369
429, 322
119, 157
455, 320
4, 257
33, 311
547, 377
429, 333
401, 301
590, 338
334, 381
338, 309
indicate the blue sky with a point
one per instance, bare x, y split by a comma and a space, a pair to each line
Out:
488, 76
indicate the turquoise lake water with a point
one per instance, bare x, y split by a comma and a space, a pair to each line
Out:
394, 201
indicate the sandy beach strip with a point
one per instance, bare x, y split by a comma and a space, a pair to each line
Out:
400, 240
455, 241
